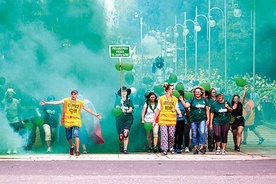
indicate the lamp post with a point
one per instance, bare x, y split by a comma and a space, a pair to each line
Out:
253, 27
172, 44
212, 24
197, 28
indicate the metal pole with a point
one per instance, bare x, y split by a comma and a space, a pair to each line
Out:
185, 45
141, 35
209, 42
254, 43
195, 35
175, 42
225, 45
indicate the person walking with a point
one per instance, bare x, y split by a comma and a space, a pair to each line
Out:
181, 129
125, 120
238, 123
249, 116
165, 116
71, 118
148, 112
199, 118
220, 121
51, 115
12, 107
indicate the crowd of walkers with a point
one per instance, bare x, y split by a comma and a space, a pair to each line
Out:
200, 123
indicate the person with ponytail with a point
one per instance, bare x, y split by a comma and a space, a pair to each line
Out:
166, 117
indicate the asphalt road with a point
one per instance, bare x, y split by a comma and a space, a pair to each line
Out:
138, 171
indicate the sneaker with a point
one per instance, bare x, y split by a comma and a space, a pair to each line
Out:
121, 149
125, 151
202, 151
261, 141
71, 150
164, 153
218, 151
77, 153
223, 152
14, 151
9, 151
235, 148
172, 151
238, 148
155, 150
149, 150
178, 151
196, 152
187, 150
49, 150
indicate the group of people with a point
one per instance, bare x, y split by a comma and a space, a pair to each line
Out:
23, 119
202, 121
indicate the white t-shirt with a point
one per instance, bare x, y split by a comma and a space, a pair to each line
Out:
149, 116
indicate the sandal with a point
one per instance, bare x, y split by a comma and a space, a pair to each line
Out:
125, 151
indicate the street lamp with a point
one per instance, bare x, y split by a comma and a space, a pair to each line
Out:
171, 50
253, 27
197, 28
212, 24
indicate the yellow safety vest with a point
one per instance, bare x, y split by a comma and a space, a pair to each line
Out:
71, 113
251, 118
167, 114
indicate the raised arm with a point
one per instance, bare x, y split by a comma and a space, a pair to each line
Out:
244, 93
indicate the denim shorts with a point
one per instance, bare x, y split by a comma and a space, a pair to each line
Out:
72, 131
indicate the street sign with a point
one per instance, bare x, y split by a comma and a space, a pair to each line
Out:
119, 51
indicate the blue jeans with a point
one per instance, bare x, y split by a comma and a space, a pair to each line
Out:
198, 132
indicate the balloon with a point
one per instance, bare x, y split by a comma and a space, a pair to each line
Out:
127, 66
240, 82
117, 111
28, 126
188, 95
39, 121
133, 90
129, 78
117, 66
179, 87
147, 125
141, 91
176, 94
173, 78
2, 80
206, 86
147, 80
158, 89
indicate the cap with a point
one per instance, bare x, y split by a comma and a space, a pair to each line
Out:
10, 90
219, 93
74, 91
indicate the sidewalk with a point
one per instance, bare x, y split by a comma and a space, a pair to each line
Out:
250, 151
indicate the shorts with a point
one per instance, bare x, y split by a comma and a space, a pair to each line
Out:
124, 122
72, 132
237, 122
47, 130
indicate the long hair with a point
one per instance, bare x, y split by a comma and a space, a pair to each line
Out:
148, 97
239, 106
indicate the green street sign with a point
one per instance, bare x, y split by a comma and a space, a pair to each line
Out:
119, 51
